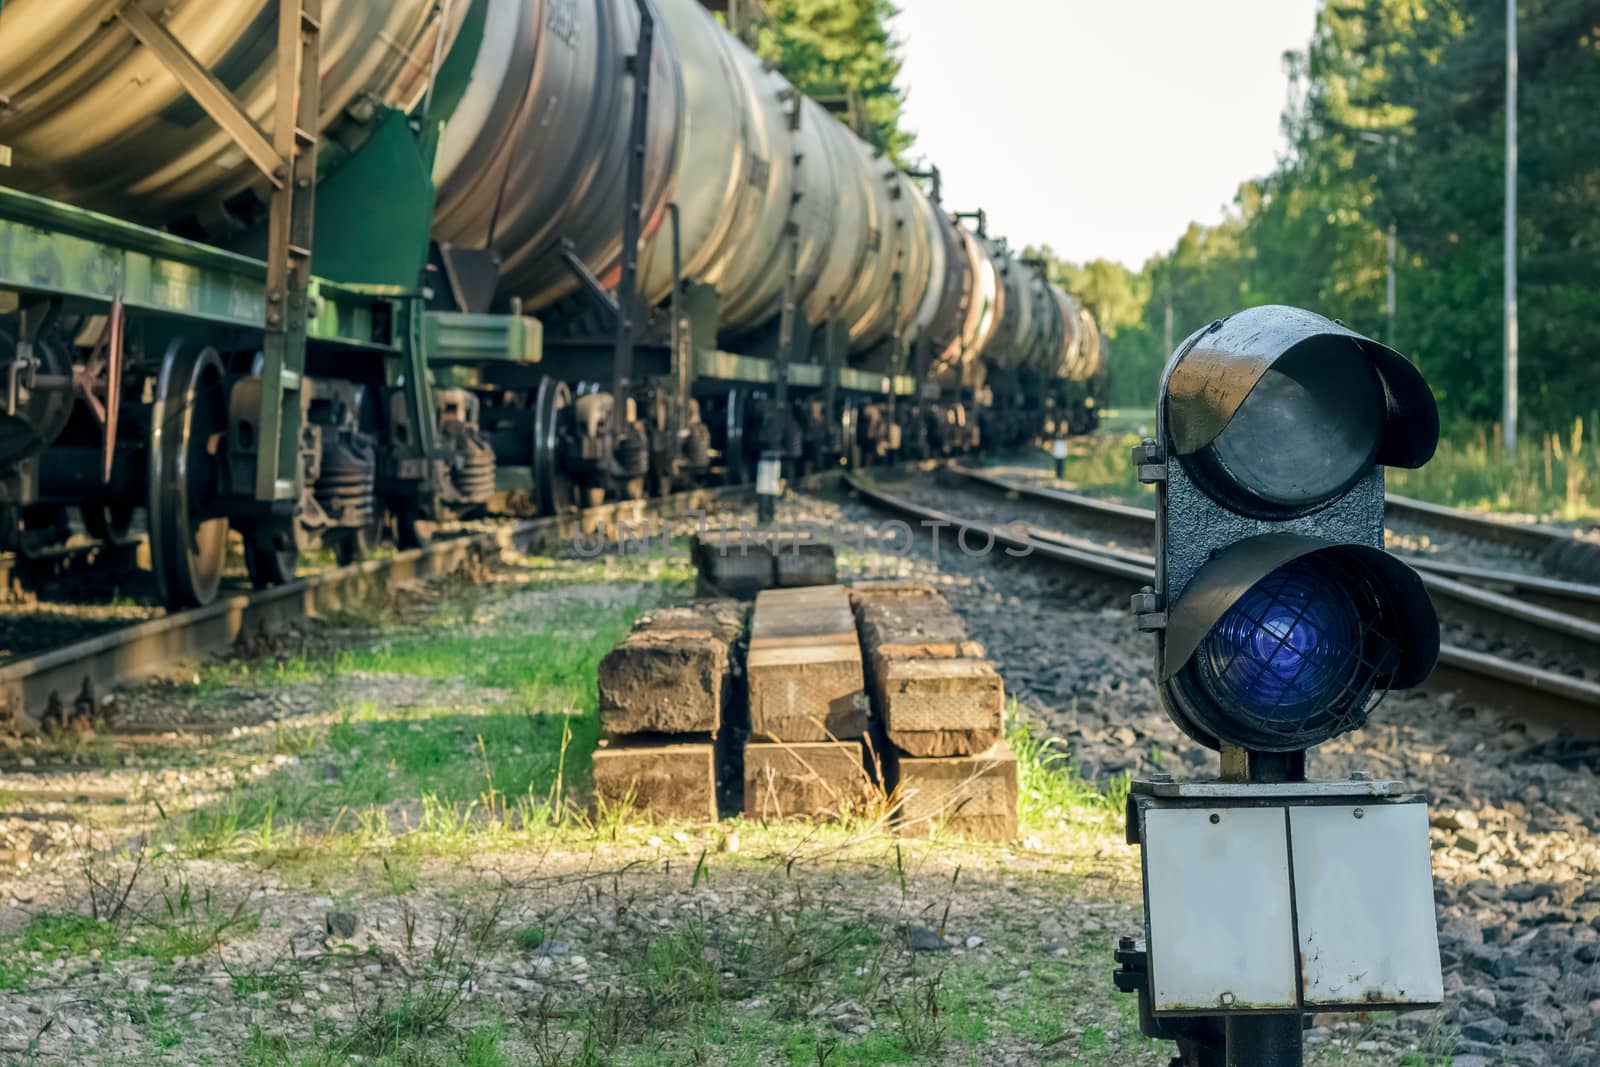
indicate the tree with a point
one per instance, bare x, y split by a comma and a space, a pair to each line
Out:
1313, 232
832, 48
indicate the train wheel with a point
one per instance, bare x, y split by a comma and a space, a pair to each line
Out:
188, 541
412, 529
735, 454
850, 434
110, 523
360, 544
269, 566
551, 487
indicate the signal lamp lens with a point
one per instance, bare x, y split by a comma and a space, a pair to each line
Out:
1287, 647
1305, 434
1294, 661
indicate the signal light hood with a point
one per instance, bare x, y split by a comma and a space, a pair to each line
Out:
1221, 364
1233, 571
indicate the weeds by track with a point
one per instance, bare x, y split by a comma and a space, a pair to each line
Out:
68, 682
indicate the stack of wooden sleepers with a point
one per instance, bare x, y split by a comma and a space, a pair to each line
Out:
861, 699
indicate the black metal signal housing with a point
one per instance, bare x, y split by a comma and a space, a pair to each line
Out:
1283, 615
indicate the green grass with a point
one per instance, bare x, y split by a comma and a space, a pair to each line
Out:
14, 973
528, 938
915, 1008
177, 922
65, 934
1100, 465
1127, 420
434, 775
364, 797
1051, 793
401, 1038
1552, 475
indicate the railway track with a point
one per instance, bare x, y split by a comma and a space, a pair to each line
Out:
1556, 620
70, 679
1558, 550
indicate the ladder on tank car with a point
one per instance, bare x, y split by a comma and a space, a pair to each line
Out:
288, 160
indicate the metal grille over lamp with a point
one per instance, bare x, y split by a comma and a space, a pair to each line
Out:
1295, 660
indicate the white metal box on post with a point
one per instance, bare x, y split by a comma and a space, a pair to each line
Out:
1314, 896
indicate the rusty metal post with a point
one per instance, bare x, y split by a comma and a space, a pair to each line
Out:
627, 298
294, 139
897, 355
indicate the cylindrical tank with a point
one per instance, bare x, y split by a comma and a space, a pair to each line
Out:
917, 231
1062, 363
938, 274
944, 305
1016, 320
981, 301
846, 246
536, 152
1044, 336
712, 181
867, 289
907, 249
745, 171
752, 265
96, 120
821, 207
1089, 367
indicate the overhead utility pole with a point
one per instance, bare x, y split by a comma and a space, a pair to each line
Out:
1509, 418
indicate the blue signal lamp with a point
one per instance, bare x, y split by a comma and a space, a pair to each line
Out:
1280, 619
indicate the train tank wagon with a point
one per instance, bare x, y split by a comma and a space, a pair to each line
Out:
794, 293
332, 271
166, 344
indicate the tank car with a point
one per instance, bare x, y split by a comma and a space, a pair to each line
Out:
321, 271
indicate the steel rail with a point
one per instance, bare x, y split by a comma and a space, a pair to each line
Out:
1133, 520
62, 676
1576, 599
1533, 537
1532, 692
1540, 608
1557, 549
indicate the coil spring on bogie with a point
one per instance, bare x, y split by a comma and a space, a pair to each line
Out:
347, 485
471, 455
630, 454
471, 465
697, 446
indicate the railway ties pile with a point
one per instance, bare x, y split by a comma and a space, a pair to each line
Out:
870, 700
939, 708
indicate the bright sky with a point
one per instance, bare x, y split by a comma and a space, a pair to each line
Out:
1099, 127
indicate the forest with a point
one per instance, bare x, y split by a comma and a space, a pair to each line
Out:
1398, 118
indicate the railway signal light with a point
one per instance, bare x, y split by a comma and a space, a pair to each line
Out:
1279, 622
1279, 616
